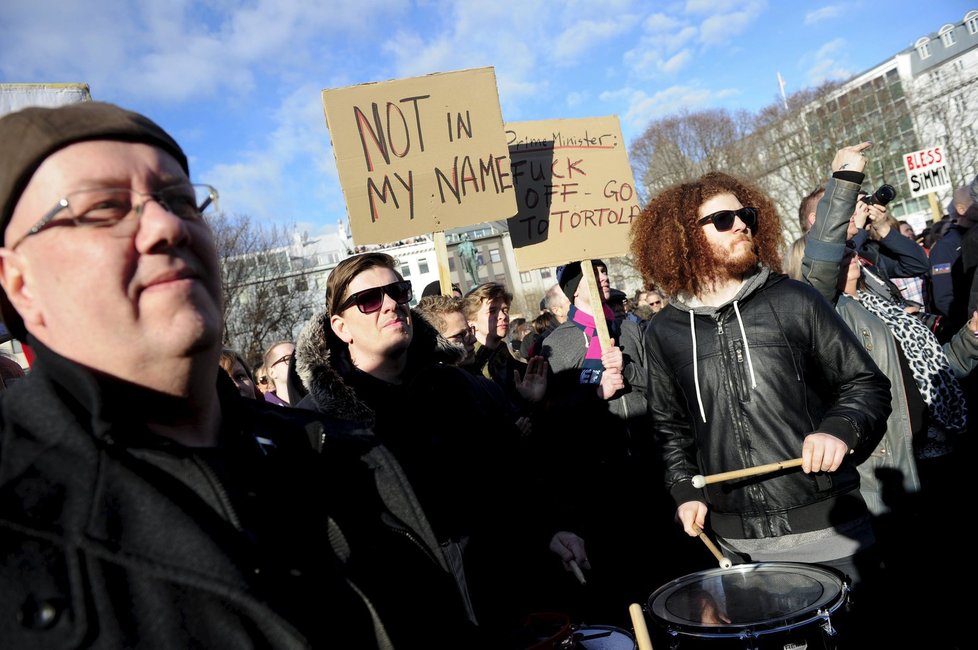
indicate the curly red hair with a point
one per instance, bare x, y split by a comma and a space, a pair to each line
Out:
671, 250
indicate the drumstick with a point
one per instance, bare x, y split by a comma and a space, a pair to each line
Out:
699, 480
577, 572
725, 562
641, 630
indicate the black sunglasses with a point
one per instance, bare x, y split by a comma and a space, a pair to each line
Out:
370, 300
724, 219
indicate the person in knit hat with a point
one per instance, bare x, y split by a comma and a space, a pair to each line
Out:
140, 509
597, 400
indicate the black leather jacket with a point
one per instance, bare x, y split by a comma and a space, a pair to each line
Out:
753, 402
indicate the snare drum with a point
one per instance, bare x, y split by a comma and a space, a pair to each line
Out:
765, 605
599, 637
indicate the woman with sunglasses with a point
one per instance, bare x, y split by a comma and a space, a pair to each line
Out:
447, 459
905, 480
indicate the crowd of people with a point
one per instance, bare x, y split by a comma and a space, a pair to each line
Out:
439, 476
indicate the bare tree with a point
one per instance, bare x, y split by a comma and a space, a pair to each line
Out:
685, 146
265, 292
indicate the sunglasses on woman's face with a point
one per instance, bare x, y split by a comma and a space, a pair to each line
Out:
370, 300
724, 219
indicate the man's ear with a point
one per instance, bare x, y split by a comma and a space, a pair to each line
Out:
340, 329
15, 285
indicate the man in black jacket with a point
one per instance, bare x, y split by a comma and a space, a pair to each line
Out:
137, 508
748, 367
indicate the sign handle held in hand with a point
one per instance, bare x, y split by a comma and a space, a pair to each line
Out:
600, 324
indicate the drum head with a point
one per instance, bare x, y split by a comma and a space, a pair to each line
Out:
602, 637
747, 599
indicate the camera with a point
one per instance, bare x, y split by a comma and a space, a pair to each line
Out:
880, 197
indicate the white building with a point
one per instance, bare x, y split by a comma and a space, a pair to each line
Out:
924, 96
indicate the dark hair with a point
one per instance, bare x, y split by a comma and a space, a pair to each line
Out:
351, 267
808, 205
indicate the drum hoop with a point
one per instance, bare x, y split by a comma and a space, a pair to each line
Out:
753, 629
602, 628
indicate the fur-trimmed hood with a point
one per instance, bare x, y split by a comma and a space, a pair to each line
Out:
322, 363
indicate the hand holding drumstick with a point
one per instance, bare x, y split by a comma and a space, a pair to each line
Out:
821, 452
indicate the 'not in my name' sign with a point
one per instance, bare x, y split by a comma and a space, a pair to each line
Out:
420, 155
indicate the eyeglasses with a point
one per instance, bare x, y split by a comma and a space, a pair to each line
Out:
724, 219
107, 206
262, 380
655, 302
459, 337
370, 300
284, 359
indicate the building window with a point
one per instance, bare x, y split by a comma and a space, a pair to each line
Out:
422, 266
544, 273
923, 47
405, 270
971, 20
960, 103
494, 256
525, 277
947, 35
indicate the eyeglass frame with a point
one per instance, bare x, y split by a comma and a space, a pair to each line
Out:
48, 220
746, 214
459, 337
286, 359
387, 289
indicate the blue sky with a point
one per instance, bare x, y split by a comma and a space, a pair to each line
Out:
238, 83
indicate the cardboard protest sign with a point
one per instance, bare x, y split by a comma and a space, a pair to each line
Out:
927, 171
15, 96
575, 191
420, 155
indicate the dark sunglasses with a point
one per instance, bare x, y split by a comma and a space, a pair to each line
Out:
724, 219
370, 300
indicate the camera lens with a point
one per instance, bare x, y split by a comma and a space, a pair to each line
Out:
884, 194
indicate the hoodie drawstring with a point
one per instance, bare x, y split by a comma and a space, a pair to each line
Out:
743, 335
696, 371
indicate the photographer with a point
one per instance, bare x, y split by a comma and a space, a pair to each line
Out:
905, 479
890, 254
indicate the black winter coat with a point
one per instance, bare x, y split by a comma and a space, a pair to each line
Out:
112, 537
811, 375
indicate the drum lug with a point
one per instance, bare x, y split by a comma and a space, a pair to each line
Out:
826, 625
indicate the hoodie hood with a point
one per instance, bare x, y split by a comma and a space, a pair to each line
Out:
752, 283
323, 363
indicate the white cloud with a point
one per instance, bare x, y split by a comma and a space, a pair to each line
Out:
729, 21
825, 13
661, 23
584, 35
677, 62
171, 51
643, 108
662, 53
716, 6
276, 173
826, 63
575, 99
